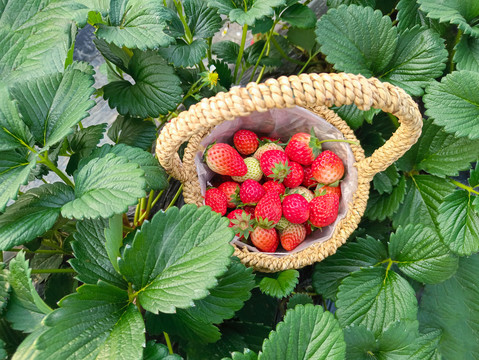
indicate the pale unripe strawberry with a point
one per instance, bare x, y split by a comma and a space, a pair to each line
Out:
254, 171
301, 190
282, 223
263, 148
292, 236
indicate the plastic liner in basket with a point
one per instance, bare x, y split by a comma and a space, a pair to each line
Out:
284, 123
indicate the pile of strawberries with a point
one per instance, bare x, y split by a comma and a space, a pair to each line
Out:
274, 193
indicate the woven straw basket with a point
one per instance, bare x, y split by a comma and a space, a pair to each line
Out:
315, 92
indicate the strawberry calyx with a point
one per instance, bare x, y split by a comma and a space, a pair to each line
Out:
264, 223
280, 171
206, 150
242, 224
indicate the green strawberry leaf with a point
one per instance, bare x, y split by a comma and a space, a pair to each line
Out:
368, 39
57, 286
299, 299
279, 285
136, 24
455, 97
156, 89
349, 258
459, 223
227, 51
104, 187
375, 297
353, 116
51, 105
4, 288
337, 3
164, 251
133, 132
398, 341
424, 195
372, 47
420, 55
474, 177
113, 53
14, 171
466, 56
225, 77
452, 307
25, 309
203, 21
299, 15
155, 176
421, 255
409, 15
155, 351
384, 206
114, 239
33, 214
440, 153
241, 14
246, 355
91, 261
306, 332
27, 350
96, 322
303, 38
184, 54
386, 180
14, 133
459, 12
82, 142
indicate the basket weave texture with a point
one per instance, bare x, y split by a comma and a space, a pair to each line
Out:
315, 92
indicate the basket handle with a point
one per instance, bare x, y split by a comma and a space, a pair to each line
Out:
304, 90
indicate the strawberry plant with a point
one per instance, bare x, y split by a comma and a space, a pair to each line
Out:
105, 261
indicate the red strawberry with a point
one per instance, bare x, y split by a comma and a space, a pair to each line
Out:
292, 236
325, 189
300, 149
254, 171
295, 208
323, 210
246, 142
268, 211
327, 168
265, 239
274, 164
225, 160
295, 176
231, 190
240, 221
251, 192
308, 180
266, 147
249, 209
275, 186
217, 200
307, 226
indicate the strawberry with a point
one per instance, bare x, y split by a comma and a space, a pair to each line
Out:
307, 194
303, 148
292, 236
274, 164
308, 228
254, 171
249, 209
327, 168
265, 239
323, 210
231, 190
217, 200
268, 210
272, 185
225, 160
295, 176
240, 221
308, 180
246, 142
263, 148
295, 208
325, 189
251, 192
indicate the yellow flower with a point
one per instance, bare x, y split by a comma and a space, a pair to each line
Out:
213, 78
210, 77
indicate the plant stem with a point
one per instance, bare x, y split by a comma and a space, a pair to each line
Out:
241, 51
39, 251
266, 46
137, 214
45, 160
465, 187
168, 342
311, 57
394, 120
453, 52
208, 54
283, 54
148, 208
176, 197
339, 140
160, 193
52, 271
181, 15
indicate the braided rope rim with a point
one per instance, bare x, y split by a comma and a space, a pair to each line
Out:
316, 92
